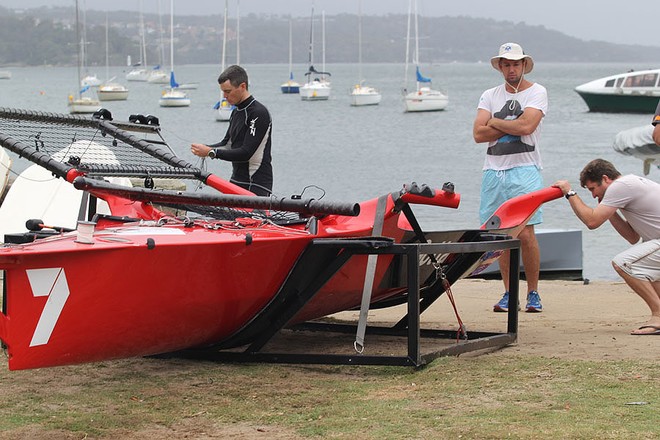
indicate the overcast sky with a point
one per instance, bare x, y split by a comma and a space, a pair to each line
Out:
629, 21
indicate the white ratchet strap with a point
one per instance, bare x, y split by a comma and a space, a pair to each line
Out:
369, 276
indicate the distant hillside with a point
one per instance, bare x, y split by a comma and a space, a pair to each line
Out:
47, 36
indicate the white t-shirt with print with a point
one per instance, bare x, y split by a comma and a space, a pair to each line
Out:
513, 151
638, 199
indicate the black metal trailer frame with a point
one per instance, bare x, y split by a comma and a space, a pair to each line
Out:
408, 328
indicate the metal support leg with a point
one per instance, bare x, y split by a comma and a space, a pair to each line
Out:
514, 290
413, 306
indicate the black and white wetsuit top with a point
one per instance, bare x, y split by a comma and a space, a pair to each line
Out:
247, 146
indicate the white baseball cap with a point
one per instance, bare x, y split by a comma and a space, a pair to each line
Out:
512, 51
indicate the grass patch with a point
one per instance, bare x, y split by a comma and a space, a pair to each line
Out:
490, 396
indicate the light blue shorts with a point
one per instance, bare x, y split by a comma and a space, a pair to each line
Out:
499, 186
642, 261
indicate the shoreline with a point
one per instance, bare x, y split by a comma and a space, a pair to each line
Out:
579, 321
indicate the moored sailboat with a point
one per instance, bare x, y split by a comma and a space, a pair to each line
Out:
109, 90
362, 94
223, 107
424, 98
317, 87
140, 71
290, 86
79, 103
173, 96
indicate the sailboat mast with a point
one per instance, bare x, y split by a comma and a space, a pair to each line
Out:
405, 76
290, 45
359, 41
162, 34
323, 41
143, 48
311, 39
416, 43
416, 54
107, 57
224, 38
238, 32
79, 56
171, 37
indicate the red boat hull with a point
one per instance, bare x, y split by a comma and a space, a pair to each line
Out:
148, 290
140, 290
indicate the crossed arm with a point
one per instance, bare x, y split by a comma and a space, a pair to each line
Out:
488, 129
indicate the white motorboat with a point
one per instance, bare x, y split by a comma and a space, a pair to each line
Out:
5, 74
424, 98
630, 92
362, 94
638, 142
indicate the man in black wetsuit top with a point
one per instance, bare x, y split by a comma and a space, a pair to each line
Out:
247, 141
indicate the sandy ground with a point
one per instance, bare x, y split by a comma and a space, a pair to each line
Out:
578, 321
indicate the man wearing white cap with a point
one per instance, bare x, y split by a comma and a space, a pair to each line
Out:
509, 119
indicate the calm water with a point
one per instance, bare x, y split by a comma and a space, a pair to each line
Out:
355, 154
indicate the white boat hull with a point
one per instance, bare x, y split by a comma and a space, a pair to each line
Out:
361, 95
5, 74
290, 87
91, 81
158, 77
638, 142
425, 100
188, 86
630, 92
138, 75
174, 98
315, 91
223, 114
84, 105
112, 92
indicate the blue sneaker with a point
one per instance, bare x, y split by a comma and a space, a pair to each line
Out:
533, 302
503, 304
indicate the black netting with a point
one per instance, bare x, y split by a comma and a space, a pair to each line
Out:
230, 214
101, 148
98, 147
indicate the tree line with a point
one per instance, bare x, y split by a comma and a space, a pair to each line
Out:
47, 36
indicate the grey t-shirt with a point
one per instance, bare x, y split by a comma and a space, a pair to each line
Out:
638, 199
